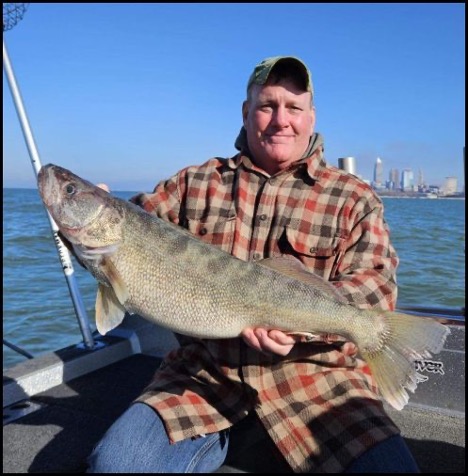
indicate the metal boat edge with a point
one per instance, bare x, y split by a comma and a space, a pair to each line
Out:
433, 423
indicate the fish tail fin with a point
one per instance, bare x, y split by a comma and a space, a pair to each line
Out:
407, 338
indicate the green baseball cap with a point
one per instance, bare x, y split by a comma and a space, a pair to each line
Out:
263, 69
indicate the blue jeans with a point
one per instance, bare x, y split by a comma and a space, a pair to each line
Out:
137, 443
390, 456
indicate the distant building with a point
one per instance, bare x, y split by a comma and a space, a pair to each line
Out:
378, 173
450, 185
407, 180
393, 179
421, 184
348, 164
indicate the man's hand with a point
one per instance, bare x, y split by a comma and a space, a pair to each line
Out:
274, 341
280, 343
103, 186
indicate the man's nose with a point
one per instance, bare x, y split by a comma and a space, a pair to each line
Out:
280, 117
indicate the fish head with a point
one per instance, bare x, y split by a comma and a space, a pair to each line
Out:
85, 214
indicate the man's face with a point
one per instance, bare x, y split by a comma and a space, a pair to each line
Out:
279, 120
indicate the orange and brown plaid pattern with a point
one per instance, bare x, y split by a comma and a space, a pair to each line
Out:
319, 404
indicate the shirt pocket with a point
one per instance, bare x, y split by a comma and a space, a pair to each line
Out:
215, 232
320, 254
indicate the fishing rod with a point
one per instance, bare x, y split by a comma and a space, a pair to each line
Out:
12, 14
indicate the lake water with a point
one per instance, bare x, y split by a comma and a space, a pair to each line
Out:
38, 316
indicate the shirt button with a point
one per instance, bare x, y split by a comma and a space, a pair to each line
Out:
271, 181
313, 249
263, 217
203, 231
256, 256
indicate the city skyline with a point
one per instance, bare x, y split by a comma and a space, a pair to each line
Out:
403, 179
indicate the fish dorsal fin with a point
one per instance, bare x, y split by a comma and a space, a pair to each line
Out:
292, 267
115, 279
109, 311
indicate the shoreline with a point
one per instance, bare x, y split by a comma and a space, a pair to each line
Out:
421, 198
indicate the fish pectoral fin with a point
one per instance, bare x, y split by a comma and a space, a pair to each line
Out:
292, 267
312, 337
85, 253
306, 336
109, 311
115, 280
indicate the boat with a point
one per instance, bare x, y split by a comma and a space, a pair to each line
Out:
57, 406
430, 195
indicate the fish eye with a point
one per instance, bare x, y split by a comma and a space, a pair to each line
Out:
70, 189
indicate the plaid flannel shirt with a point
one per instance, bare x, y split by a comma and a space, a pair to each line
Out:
319, 404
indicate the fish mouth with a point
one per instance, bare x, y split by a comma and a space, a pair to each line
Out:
45, 177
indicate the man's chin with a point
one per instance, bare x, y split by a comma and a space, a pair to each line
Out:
279, 152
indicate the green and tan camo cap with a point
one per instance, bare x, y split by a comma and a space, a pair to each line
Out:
263, 69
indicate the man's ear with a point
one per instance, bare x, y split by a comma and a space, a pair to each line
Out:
312, 122
245, 111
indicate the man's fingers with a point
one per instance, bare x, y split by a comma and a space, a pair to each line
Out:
251, 339
103, 186
282, 338
260, 340
269, 344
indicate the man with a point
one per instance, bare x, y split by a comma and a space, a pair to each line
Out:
315, 398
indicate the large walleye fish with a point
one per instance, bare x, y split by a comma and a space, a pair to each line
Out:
147, 266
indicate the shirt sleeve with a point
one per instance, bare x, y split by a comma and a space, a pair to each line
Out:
366, 273
165, 200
